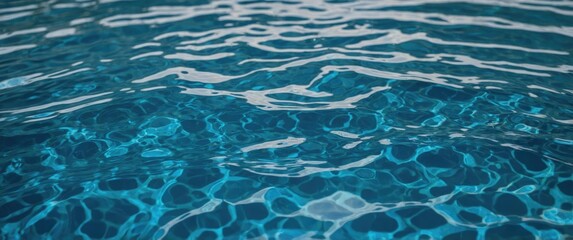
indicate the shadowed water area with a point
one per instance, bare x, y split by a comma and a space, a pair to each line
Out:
314, 119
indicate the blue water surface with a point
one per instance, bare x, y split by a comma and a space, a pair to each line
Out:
286, 119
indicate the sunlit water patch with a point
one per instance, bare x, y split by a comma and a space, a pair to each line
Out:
286, 119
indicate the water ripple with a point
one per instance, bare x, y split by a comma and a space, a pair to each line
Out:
326, 119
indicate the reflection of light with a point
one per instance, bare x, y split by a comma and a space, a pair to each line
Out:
71, 109
299, 168
22, 32
25, 80
6, 50
189, 74
282, 143
149, 54
52, 104
191, 57
61, 33
261, 98
81, 21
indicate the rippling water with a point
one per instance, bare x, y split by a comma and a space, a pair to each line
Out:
286, 119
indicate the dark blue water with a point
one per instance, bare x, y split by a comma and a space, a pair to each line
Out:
286, 119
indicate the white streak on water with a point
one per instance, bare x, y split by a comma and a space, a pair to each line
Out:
148, 44
188, 74
52, 104
6, 50
191, 57
22, 32
61, 33
149, 54
282, 143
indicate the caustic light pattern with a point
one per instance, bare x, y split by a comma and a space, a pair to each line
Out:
312, 119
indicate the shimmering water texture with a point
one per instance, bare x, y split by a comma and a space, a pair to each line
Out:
169, 119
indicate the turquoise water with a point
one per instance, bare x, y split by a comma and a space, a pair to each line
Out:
286, 119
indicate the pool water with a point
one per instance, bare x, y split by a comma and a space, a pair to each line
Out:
294, 119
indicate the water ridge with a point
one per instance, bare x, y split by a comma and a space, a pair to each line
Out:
286, 119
